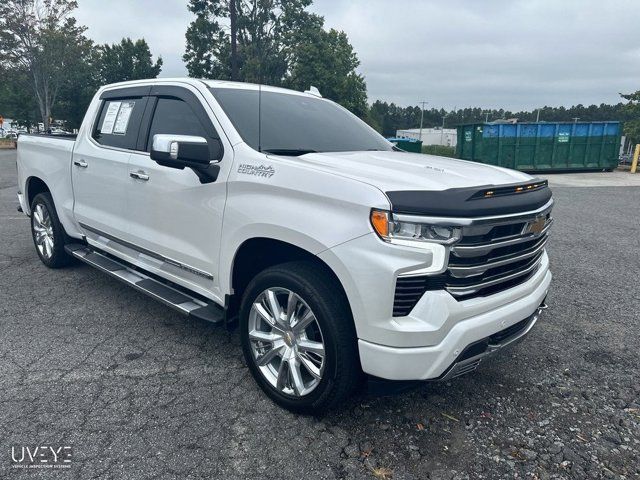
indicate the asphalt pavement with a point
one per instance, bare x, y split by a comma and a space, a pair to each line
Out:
138, 391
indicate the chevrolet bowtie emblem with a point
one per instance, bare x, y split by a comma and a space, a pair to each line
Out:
536, 226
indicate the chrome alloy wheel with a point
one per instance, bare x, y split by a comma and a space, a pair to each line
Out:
286, 341
43, 230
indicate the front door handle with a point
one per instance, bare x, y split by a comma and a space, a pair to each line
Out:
80, 163
139, 175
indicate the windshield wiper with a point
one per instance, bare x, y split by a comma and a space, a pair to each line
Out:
291, 152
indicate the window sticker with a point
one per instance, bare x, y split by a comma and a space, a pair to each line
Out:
122, 120
110, 117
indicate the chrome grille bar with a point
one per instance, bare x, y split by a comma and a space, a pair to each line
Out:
492, 253
469, 271
483, 249
471, 289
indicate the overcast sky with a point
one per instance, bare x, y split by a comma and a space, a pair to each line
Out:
508, 54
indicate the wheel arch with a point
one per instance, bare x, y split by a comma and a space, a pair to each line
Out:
33, 186
258, 253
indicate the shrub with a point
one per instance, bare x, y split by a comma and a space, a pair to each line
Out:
440, 150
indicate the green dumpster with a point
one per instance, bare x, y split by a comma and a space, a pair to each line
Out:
541, 146
407, 144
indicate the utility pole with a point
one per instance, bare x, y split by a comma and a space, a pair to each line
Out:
423, 103
234, 32
538, 116
486, 115
575, 119
442, 130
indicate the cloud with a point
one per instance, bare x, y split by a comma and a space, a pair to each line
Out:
161, 23
508, 54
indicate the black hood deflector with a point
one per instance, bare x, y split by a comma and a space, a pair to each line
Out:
472, 201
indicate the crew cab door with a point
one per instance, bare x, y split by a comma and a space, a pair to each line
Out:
174, 219
99, 170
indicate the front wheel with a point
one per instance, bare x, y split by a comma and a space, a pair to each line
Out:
298, 337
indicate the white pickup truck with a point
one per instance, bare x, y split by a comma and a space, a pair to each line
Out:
336, 253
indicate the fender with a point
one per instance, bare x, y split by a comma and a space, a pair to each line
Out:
260, 230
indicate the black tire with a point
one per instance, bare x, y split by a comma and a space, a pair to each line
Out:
59, 257
318, 289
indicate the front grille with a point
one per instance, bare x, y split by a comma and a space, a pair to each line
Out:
494, 257
489, 258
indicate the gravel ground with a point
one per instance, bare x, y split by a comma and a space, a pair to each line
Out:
140, 392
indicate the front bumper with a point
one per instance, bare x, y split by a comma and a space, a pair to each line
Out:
471, 356
451, 357
424, 344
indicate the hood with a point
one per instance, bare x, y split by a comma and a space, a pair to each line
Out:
411, 171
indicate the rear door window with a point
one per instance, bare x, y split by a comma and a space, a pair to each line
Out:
119, 122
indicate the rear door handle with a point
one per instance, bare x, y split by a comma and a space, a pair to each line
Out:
80, 163
139, 175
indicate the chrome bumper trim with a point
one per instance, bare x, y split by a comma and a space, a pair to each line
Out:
468, 365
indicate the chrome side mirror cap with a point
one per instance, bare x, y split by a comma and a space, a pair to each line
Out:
184, 149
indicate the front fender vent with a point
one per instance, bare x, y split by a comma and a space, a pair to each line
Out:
409, 290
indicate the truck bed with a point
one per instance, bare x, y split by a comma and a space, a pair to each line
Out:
47, 157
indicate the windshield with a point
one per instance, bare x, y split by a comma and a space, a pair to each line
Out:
296, 124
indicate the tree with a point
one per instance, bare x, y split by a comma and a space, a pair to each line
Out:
261, 28
119, 62
81, 84
389, 117
632, 111
327, 61
16, 100
206, 40
233, 26
277, 42
40, 38
127, 60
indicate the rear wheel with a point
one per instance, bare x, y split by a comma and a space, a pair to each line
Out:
298, 337
48, 234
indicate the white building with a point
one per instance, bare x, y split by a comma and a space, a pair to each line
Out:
431, 136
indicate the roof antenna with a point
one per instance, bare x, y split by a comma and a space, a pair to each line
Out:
260, 115
313, 91
260, 94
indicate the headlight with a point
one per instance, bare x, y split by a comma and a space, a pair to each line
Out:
395, 231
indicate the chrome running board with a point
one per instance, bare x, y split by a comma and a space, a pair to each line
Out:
179, 300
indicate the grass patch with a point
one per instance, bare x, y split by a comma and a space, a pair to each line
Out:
7, 143
441, 150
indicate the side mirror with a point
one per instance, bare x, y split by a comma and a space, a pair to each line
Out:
180, 151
